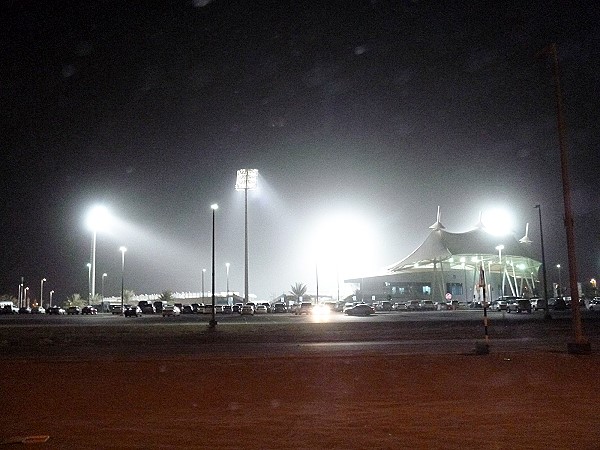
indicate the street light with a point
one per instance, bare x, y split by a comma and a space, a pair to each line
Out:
89, 266
51, 294
104, 275
42, 291
559, 281
547, 309
97, 219
213, 322
246, 179
227, 269
203, 272
25, 296
122, 250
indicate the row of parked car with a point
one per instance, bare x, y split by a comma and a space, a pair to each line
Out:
52, 310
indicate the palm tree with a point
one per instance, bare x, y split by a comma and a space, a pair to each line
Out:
166, 296
298, 290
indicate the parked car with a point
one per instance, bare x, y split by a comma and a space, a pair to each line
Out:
158, 306
170, 310
56, 310
247, 310
73, 310
594, 305
538, 303
207, 309
133, 311
559, 304
147, 307
116, 309
198, 308
237, 308
498, 305
304, 308
38, 310
519, 305
413, 305
24, 310
89, 310
426, 305
279, 308
187, 309
261, 309
228, 309
362, 309
9, 309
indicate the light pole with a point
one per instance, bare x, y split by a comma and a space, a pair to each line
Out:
500, 248
203, 272
213, 322
104, 275
559, 281
25, 296
227, 269
51, 294
547, 314
97, 219
246, 179
42, 291
122, 250
89, 266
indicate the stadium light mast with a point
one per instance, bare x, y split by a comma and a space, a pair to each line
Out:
246, 179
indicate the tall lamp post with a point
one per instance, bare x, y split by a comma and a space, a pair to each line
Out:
227, 284
51, 294
547, 314
203, 272
97, 219
122, 250
89, 266
560, 289
104, 275
246, 179
25, 296
42, 291
213, 322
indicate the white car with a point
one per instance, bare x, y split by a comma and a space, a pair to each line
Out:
170, 310
247, 310
261, 309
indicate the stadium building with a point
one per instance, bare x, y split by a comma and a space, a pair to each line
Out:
451, 266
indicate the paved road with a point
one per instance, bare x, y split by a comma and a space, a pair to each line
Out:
436, 332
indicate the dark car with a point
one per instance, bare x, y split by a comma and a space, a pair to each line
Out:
279, 308
56, 310
89, 310
519, 306
24, 310
147, 307
187, 309
304, 308
362, 309
228, 309
73, 310
133, 311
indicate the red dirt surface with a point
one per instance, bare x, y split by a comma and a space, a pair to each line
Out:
495, 401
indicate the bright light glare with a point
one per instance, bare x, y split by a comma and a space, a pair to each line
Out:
341, 245
98, 218
497, 222
320, 313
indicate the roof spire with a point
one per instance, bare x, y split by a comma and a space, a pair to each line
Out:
480, 222
437, 225
525, 239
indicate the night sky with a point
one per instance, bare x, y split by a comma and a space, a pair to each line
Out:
380, 110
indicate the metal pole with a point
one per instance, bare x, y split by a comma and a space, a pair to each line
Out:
581, 344
123, 250
547, 314
246, 240
213, 322
317, 276
93, 265
42, 291
203, 270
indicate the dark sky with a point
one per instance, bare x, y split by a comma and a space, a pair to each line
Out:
379, 110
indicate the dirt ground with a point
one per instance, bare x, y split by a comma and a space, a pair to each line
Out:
498, 401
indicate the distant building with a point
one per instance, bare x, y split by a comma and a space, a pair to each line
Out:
449, 265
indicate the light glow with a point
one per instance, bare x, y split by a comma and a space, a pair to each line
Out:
246, 179
99, 218
497, 222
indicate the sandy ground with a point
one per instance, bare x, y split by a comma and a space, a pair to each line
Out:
496, 401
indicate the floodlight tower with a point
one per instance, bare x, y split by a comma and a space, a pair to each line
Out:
97, 220
246, 179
